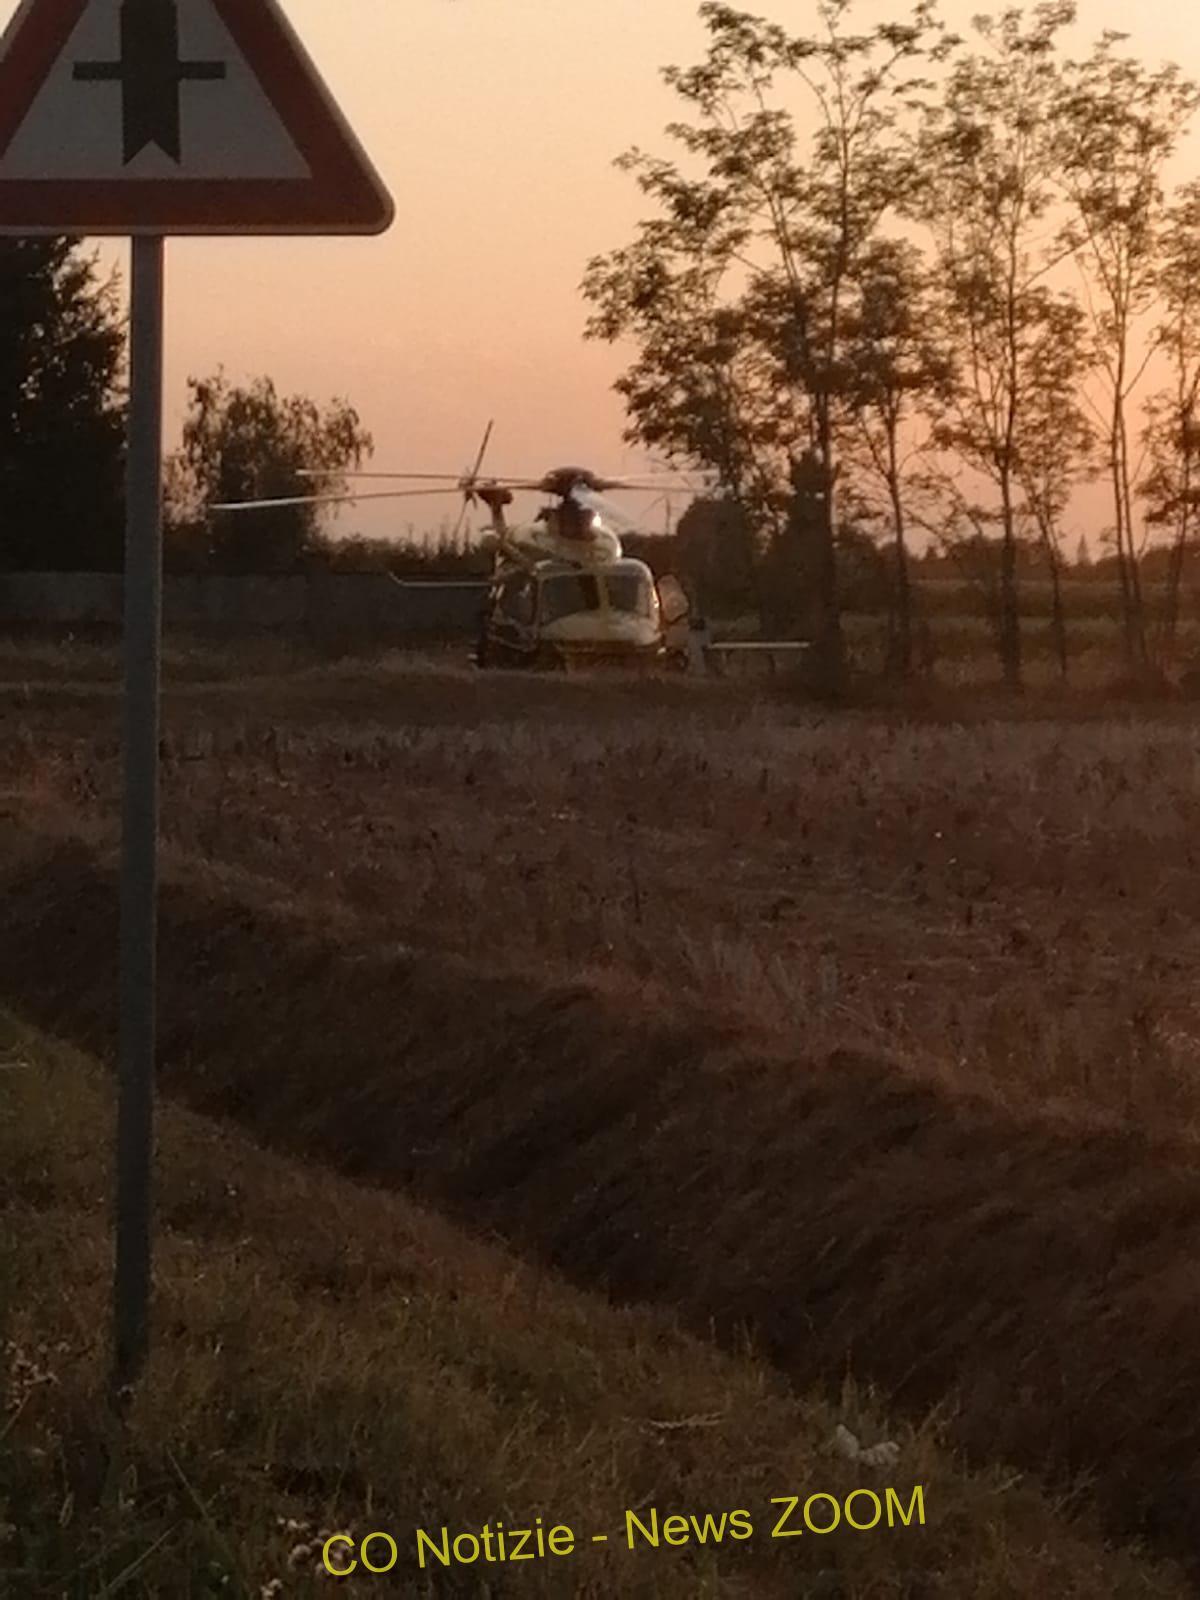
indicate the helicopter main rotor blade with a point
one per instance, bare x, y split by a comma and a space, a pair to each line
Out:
323, 499
473, 478
548, 483
487, 435
646, 486
590, 500
450, 479
453, 480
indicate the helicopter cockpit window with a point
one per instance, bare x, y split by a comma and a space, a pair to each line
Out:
567, 594
629, 592
517, 600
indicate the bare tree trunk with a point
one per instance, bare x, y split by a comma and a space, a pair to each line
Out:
1179, 547
1135, 575
831, 662
754, 575
1127, 567
902, 645
1122, 564
1174, 583
1010, 613
1058, 616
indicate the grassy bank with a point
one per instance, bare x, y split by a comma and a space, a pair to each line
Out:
328, 1358
1015, 1271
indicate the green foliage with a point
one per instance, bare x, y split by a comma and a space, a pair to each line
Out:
62, 435
251, 443
738, 293
897, 364
783, 323
987, 154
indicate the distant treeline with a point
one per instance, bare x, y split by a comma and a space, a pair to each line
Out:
895, 290
704, 558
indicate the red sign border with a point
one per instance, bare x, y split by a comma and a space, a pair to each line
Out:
344, 195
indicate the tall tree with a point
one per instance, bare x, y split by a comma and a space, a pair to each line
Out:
251, 443
1172, 487
1117, 126
894, 362
989, 164
699, 388
1057, 445
769, 236
62, 436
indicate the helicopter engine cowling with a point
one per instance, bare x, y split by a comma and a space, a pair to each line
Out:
541, 541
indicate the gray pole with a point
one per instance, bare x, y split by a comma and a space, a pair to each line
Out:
139, 817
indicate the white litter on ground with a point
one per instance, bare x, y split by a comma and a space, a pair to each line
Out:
885, 1454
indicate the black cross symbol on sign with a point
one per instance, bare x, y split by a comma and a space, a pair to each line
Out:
150, 73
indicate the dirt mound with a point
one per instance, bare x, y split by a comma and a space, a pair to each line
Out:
1046, 1281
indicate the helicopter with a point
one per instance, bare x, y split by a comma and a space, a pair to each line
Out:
562, 594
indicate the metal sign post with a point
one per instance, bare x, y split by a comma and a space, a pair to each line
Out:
139, 820
142, 119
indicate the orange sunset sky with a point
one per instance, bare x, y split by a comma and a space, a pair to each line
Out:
494, 123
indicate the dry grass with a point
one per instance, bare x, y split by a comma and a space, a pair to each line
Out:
1007, 903
1013, 1270
328, 1359
861, 1003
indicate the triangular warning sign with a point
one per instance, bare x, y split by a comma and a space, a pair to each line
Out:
173, 116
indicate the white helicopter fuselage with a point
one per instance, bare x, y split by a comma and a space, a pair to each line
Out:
613, 607
571, 599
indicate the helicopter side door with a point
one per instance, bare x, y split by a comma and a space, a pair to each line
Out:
675, 615
513, 612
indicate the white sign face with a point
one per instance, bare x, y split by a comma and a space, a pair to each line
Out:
193, 126
173, 116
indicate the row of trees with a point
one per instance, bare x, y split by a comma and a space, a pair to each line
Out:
62, 436
894, 283
934, 312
